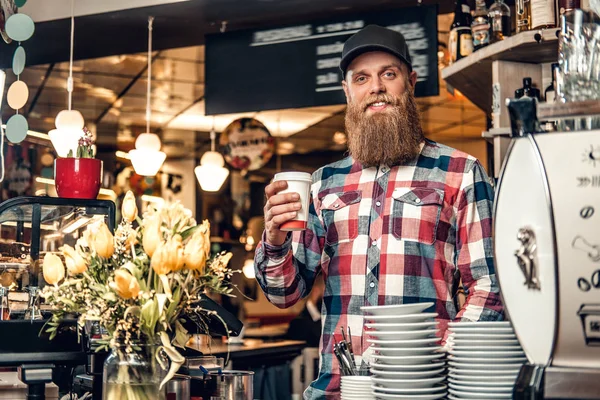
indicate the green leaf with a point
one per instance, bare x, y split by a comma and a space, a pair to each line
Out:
188, 232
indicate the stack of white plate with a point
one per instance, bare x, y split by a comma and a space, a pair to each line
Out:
407, 362
356, 387
484, 361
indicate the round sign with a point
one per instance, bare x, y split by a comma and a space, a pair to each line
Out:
7, 9
18, 64
17, 95
16, 128
247, 144
20, 3
20, 27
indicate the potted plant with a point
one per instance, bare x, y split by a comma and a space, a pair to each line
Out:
139, 285
79, 176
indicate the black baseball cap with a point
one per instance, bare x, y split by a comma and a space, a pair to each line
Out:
374, 38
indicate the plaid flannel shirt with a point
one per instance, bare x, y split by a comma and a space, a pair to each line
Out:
388, 235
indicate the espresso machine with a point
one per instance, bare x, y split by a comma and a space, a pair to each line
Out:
547, 248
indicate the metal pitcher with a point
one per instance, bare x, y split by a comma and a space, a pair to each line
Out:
234, 385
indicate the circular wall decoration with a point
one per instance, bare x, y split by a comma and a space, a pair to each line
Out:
20, 27
16, 128
17, 95
7, 9
20, 3
247, 144
18, 64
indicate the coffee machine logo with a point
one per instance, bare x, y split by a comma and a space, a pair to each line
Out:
592, 155
590, 321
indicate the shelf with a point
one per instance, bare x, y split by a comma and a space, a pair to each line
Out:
472, 75
579, 109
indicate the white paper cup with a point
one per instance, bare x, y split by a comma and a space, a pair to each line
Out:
298, 182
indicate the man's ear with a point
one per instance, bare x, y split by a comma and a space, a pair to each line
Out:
345, 87
412, 78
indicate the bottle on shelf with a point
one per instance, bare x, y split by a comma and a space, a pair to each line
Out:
550, 92
499, 17
523, 10
4, 308
480, 27
527, 90
542, 14
461, 39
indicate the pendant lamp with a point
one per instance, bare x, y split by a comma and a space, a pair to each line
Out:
211, 173
69, 123
147, 157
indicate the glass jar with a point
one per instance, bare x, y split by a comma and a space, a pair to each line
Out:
134, 372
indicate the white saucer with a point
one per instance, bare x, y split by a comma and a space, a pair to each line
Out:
487, 354
481, 336
491, 331
463, 347
459, 394
407, 383
476, 362
405, 351
498, 389
483, 343
433, 389
406, 360
483, 381
487, 373
401, 327
397, 309
386, 374
483, 367
435, 396
481, 324
422, 366
421, 317
404, 343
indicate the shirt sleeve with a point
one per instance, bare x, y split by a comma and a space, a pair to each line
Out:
286, 273
474, 248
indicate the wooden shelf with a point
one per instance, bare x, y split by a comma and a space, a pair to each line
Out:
578, 109
472, 75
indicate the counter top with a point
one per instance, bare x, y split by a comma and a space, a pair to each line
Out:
250, 348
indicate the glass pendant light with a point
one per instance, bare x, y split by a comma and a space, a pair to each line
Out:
69, 123
211, 173
147, 157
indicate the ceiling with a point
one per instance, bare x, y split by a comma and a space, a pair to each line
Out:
110, 91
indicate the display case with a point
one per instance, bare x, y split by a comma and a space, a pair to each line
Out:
31, 227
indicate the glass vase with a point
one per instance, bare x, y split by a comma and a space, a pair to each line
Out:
134, 373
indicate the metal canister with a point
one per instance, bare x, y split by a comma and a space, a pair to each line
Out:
234, 385
178, 388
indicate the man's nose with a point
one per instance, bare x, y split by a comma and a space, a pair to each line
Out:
377, 86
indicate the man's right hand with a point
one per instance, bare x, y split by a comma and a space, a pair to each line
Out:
280, 208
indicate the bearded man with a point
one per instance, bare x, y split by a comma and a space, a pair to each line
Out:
401, 220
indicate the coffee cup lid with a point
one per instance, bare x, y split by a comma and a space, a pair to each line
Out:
293, 176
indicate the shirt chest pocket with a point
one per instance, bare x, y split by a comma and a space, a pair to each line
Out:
416, 214
340, 216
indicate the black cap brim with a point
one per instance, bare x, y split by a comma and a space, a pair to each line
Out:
357, 51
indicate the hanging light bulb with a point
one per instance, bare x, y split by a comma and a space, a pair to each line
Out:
211, 173
147, 157
69, 123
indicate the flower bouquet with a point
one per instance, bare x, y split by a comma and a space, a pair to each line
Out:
140, 285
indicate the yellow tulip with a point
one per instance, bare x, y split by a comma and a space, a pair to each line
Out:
129, 209
125, 284
100, 240
53, 269
159, 259
175, 256
168, 256
205, 229
152, 235
194, 254
76, 264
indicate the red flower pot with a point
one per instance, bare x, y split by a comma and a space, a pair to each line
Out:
77, 178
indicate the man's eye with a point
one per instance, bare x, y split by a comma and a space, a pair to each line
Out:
360, 79
390, 74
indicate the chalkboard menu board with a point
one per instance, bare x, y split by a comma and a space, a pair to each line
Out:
297, 66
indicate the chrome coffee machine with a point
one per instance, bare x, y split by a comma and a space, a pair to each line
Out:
547, 249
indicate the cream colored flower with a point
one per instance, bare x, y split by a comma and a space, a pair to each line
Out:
76, 264
125, 284
129, 209
152, 235
100, 240
194, 252
159, 260
53, 269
